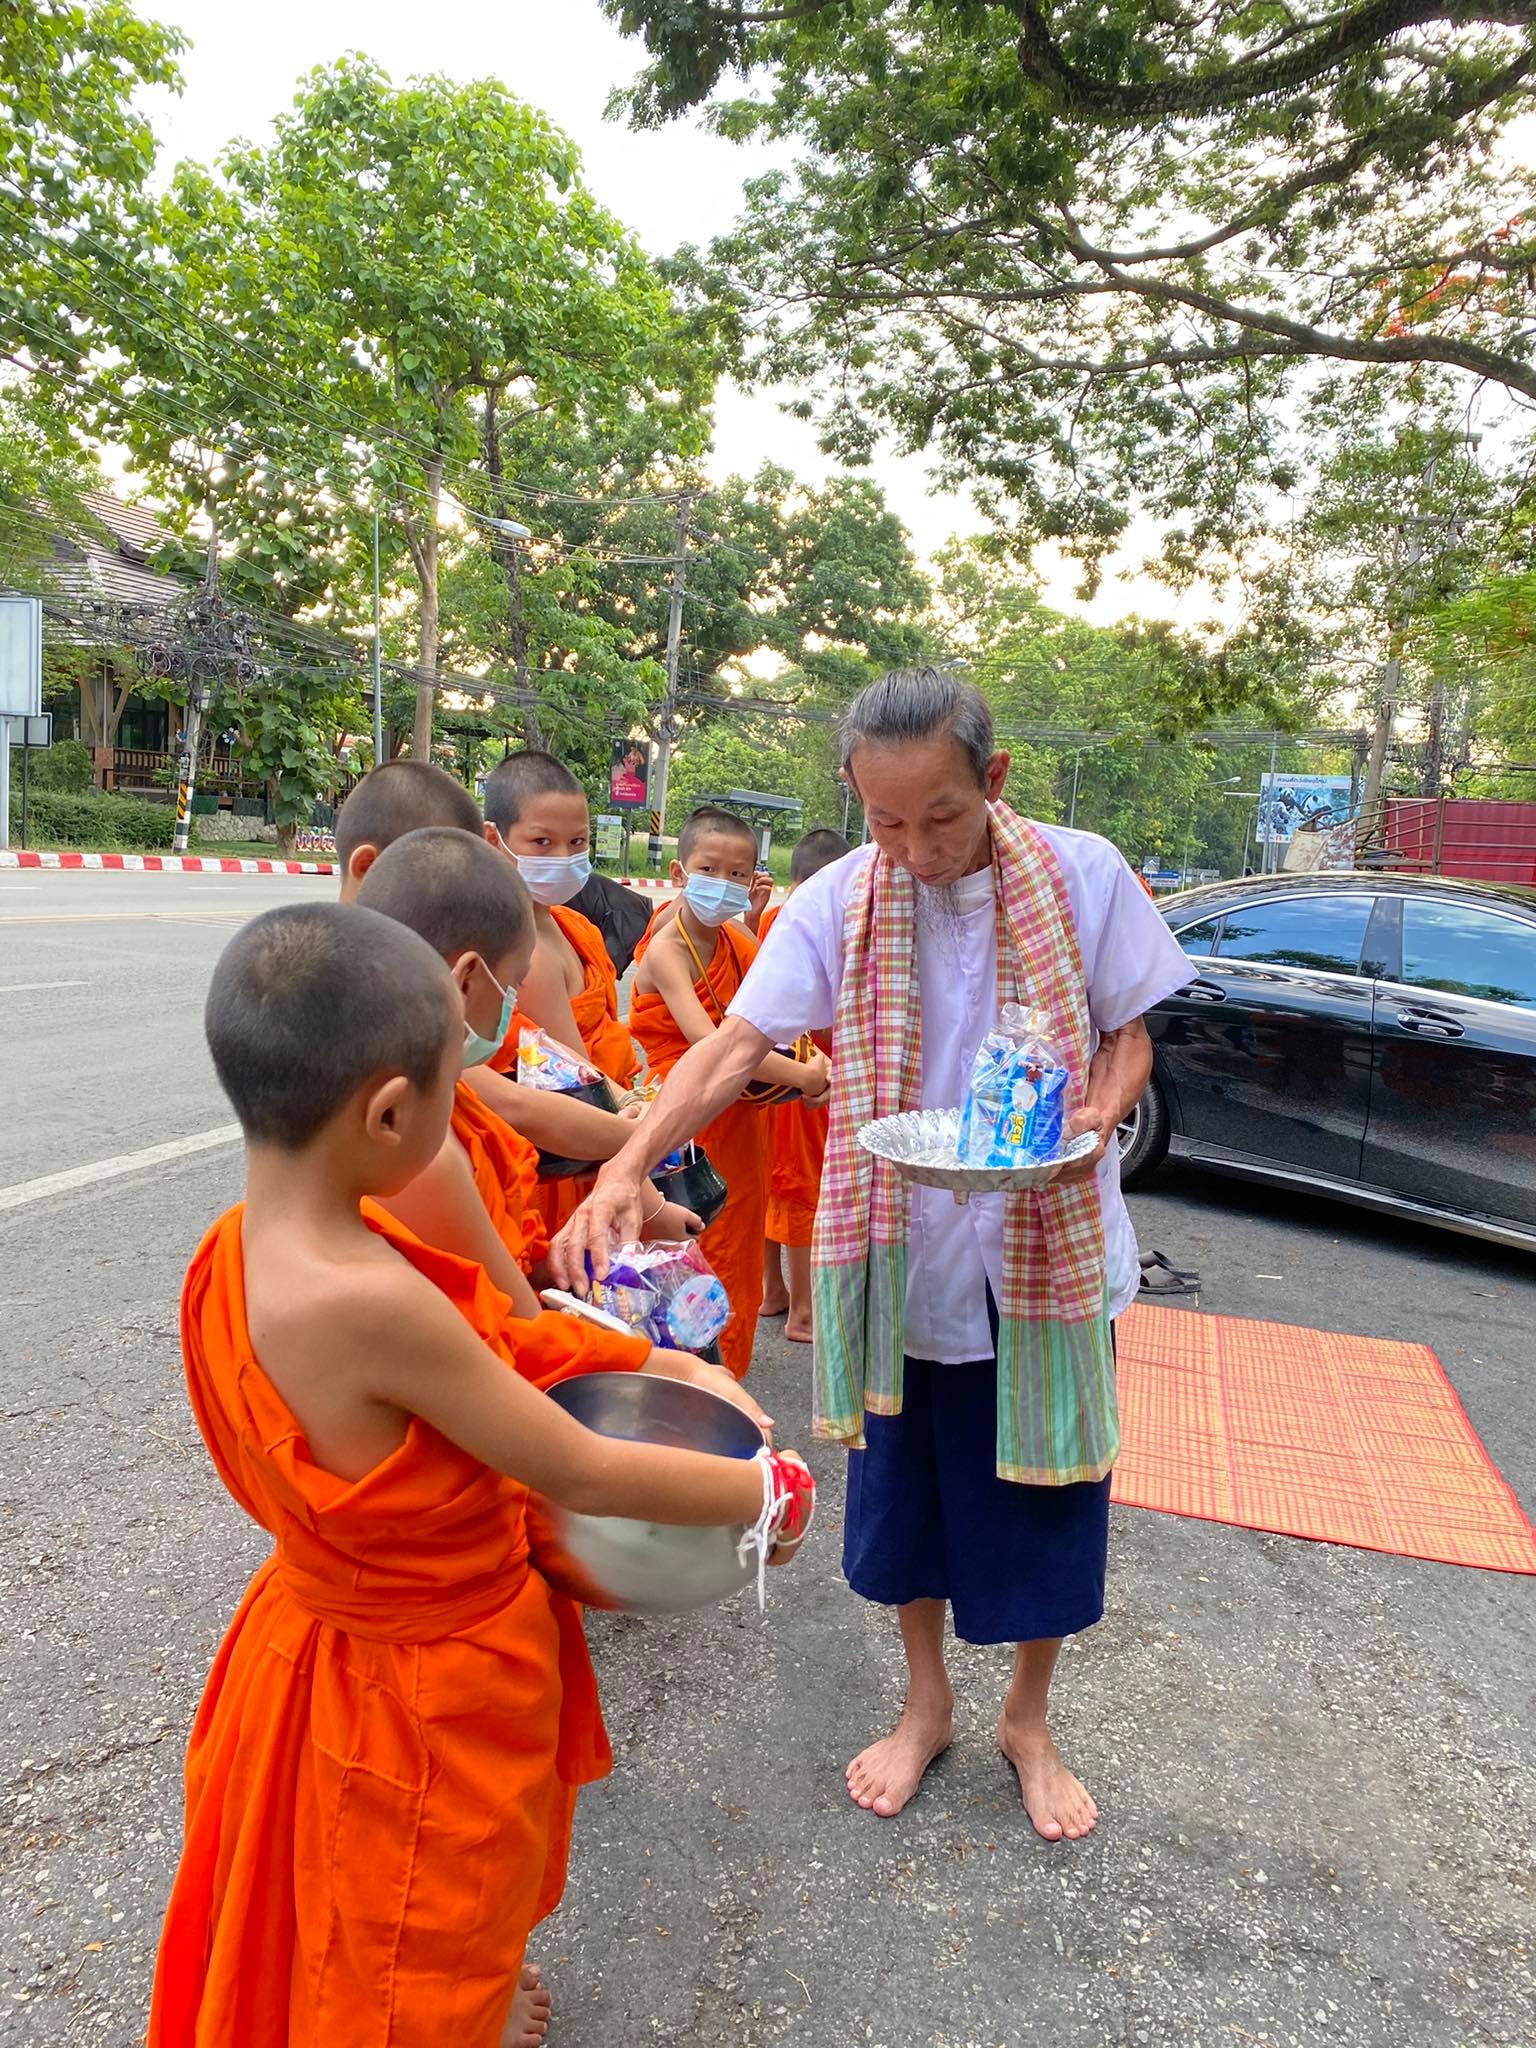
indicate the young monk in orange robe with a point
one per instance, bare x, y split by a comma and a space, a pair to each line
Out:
537, 813
461, 896
688, 968
379, 1775
407, 796
797, 1141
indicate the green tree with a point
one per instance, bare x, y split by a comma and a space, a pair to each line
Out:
1108, 729
45, 475
74, 154
1091, 256
432, 248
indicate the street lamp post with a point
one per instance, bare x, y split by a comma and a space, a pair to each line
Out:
1223, 785
1077, 762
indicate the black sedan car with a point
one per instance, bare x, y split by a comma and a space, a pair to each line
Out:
1371, 1037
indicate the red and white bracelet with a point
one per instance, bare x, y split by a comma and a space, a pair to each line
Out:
789, 1508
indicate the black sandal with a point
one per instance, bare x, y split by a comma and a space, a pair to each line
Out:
1159, 1277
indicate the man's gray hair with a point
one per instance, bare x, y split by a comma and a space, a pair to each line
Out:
919, 704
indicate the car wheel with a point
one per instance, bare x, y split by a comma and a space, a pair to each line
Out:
1144, 1137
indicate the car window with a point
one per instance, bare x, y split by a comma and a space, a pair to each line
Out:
1200, 939
1468, 952
1324, 933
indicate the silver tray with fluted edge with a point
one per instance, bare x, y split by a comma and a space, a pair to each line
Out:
923, 1146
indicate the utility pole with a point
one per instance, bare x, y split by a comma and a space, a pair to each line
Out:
662, 769
378, 690
1392, 670
192, 731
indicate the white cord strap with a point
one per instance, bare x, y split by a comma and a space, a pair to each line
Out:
789, 1502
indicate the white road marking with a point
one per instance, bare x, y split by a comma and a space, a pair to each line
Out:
129, 917
22, 988
74, 1177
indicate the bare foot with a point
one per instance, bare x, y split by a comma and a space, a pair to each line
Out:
798, 1329
774, 1305
1057, 1803
528, 2020
883, 1777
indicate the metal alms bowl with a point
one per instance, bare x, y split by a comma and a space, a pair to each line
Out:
923, 1146
643, 1567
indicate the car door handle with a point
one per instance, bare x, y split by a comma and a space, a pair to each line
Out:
1428, 1025
1203, 992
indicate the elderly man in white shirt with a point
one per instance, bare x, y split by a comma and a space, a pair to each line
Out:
964, 1354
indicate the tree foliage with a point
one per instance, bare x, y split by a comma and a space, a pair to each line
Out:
1092, 255
398, 262
74, 154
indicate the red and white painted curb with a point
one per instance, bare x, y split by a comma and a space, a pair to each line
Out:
165, 863
208, 864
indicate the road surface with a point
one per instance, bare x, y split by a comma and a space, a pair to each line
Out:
1314, 1765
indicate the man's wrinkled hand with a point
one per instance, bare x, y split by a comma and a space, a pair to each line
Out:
1102, 1124
614, 1213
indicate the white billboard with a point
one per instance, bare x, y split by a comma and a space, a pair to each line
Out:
21, 656
1289, 804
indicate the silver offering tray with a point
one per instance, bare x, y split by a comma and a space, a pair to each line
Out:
922, 1145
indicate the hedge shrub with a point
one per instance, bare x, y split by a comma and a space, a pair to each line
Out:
66, 765
92, 822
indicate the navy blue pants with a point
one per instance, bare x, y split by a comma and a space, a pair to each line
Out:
929, 1519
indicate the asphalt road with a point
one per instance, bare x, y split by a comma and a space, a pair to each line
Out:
1314, 1765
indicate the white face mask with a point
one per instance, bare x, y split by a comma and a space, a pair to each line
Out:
554, 878
715, 901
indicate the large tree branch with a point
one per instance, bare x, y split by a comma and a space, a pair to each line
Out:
1341, 37
1299, 336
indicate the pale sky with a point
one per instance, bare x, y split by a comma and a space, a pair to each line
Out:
672, 186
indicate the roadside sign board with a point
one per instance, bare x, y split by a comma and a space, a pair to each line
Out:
1289, 804
608, 840
21, 656
36, 731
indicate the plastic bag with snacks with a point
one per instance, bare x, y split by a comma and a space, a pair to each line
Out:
1015, 1105
668, 1292
542, 1062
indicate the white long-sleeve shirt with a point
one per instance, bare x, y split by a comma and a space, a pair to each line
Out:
1130, 961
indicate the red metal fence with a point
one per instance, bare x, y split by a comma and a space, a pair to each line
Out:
1478, 838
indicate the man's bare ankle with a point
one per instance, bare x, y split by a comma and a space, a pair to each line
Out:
929, 1707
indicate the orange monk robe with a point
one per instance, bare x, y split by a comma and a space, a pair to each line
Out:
797, 1143
596, 1009
381, 1773
736, 1142
607, 1045
506, 1170
552, 1202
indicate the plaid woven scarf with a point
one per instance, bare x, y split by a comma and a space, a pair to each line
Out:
1056, 1415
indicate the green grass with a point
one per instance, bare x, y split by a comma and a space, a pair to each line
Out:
246, 849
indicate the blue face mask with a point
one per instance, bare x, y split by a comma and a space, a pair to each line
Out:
713, 900
552, 878
478, 1050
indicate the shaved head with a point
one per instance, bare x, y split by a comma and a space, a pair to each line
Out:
401, 797
709, 819
310, 1002
455, 890
511, 783
815, 851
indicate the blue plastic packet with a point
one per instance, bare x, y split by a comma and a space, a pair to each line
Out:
1015, 1105
667, 1291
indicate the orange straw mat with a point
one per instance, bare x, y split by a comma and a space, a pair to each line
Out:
1340, 1439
